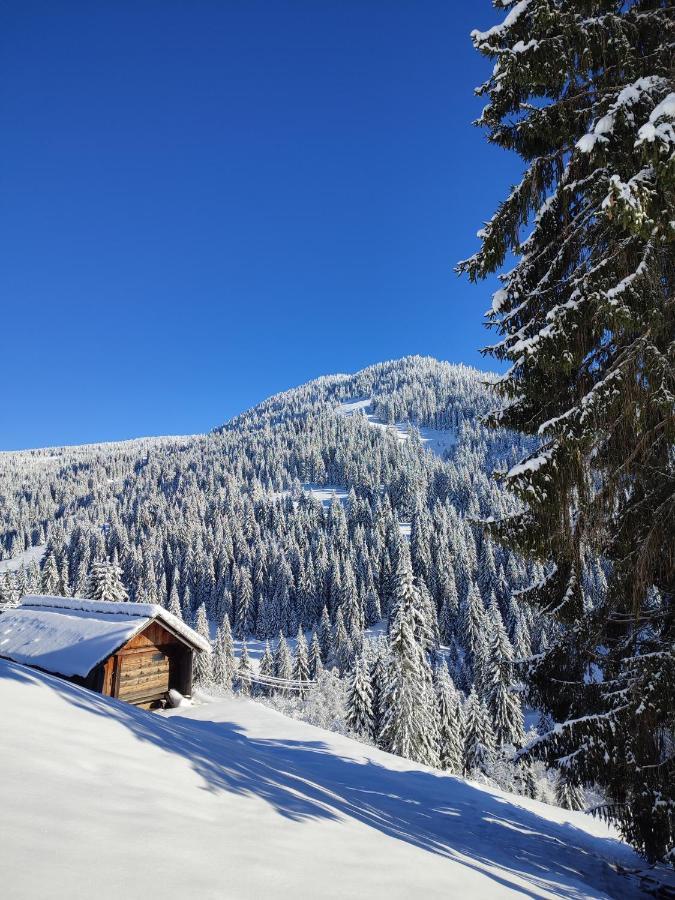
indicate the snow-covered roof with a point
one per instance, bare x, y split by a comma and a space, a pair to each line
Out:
69, 636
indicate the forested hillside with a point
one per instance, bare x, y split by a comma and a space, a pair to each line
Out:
341, 505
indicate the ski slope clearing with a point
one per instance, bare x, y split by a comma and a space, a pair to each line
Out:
234, 800
32, 555
439, 441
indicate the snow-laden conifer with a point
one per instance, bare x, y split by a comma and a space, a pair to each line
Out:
583, 93
360, 700
105, 582
244, 671
409, 717
450, 737
301, 662
502, 701
479, 739
223, 660
49, 578
203, 673
315, 660
283, 664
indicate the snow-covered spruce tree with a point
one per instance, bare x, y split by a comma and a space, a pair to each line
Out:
49, 577
409, 713
378, 675
360, 700
266, 667
479, 739
301, 662
223, 661
343, 648
315, 661
244, 672
502, 702
283, 664
582, 90
105, 582
203, 663
450, 743
325, 636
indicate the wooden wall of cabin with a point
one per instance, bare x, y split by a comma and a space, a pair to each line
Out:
146, 667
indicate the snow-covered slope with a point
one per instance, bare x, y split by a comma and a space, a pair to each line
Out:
233, 800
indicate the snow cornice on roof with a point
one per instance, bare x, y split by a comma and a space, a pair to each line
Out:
142, 611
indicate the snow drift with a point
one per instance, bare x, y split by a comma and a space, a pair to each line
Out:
231, 799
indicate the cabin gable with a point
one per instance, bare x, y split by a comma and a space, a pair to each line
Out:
135, 652
144, 669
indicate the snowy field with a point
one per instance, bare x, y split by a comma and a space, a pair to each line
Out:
437, 440
324, 493
233, 800
33, 554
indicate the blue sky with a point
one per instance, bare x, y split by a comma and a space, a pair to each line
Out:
203, 203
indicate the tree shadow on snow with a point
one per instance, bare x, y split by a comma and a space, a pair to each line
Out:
438, 813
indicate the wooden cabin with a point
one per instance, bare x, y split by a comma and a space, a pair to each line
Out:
136, 652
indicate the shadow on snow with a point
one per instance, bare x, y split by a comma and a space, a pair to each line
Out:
438, 813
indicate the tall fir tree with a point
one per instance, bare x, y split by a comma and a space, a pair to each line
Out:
301, 663
502, 701
266, 667
315, 661
49, 577
450, 741
223, 661
244, 671
105, 582
360, 700
583, 93
283, 663
409, 717
203, 663
479, 739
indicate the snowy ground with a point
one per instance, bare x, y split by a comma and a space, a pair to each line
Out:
33, 554
324, 493
234, 800
436, 440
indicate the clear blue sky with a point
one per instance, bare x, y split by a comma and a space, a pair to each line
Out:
204, 202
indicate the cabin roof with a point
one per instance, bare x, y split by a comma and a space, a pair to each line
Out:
68, 636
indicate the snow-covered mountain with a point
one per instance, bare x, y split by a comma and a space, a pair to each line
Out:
340, 514
231, 799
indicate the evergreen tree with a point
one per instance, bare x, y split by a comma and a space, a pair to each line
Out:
450, 741
244, 671
360, 700
343, 647
409, 717
223, 661
479, 740
283, 664
301, 662
473, 625
502, 702
202, 667
266, 667
325, 636
315, 661
378, 673
583, 92
105, 582
49, 578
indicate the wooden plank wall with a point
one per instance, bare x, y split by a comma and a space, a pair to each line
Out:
144, 675
147, 666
